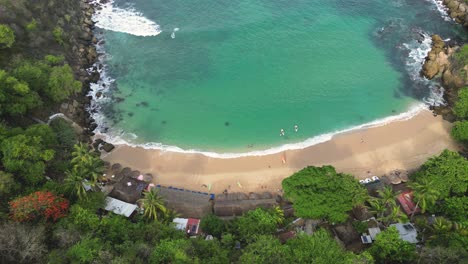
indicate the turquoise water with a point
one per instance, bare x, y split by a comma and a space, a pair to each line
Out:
237, 72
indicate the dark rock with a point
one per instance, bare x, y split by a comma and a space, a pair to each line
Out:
108, 147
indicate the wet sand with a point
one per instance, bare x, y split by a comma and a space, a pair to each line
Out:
402, 145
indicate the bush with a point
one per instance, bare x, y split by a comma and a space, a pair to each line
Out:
7, 36
461, 106
66, 135
212, 225
58, 35
31, 26
460, 131
462, 55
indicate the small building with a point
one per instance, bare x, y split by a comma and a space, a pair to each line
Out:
128, 189
407, 232
190, 226
373, 231
407, 203
119, 207
366, 239
285, 236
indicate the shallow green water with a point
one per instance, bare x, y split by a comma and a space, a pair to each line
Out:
239, 71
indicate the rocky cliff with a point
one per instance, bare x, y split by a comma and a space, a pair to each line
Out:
57, 27
458, 10
447, 64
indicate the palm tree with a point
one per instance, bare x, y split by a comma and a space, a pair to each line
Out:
424, 194
153, 204
388, 196
74, 182
441, 229
396, 215
86, 163
278, 215
80, 151
377, 207
169, 216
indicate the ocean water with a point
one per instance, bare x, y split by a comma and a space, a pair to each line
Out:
226, 76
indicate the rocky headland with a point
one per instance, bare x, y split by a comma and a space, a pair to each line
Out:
446, 63
458, 10
62, 28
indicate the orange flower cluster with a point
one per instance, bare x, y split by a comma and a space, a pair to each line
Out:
39, 205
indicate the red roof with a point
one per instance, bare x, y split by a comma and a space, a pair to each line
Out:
406, 201
193, 226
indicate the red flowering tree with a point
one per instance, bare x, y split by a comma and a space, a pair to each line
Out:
38, 205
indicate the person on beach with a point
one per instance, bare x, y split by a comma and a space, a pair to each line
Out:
296, 128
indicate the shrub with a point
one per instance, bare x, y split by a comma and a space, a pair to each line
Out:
460, 131
461, 106
31, 26
58, 35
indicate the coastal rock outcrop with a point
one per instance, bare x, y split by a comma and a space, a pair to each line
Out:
443, 62
458, 10
447, 64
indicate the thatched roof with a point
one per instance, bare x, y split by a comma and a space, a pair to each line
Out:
135, 174
187, 203
128, 189
126, 171
116, 167
148, 177
239, 207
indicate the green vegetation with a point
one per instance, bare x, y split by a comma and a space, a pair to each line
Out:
389, 248
461, 106
7, 36
32, 26
462, 55
446, 173
47, 216
153, 205
212, 225
58, 35
460, 131
322, 193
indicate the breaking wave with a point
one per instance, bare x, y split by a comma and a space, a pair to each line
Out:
127, 138
126, 20
417, 54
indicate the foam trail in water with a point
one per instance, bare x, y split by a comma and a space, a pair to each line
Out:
122, 139
125, 20
443, 10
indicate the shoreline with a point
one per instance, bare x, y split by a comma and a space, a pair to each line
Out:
413, 110
399, 145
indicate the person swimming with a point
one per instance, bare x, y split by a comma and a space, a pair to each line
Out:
296, 128
281, 132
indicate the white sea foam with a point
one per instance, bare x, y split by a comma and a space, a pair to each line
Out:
443, 10
126, 20
417, 55
418, 52
119, 140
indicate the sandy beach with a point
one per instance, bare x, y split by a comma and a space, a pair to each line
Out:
402, 145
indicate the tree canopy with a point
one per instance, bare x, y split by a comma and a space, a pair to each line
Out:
15, 96
460, 131
389, 248
7, 36
447, 172
321, 192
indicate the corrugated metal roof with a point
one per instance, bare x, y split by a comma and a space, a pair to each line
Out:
181, 223
119, 207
